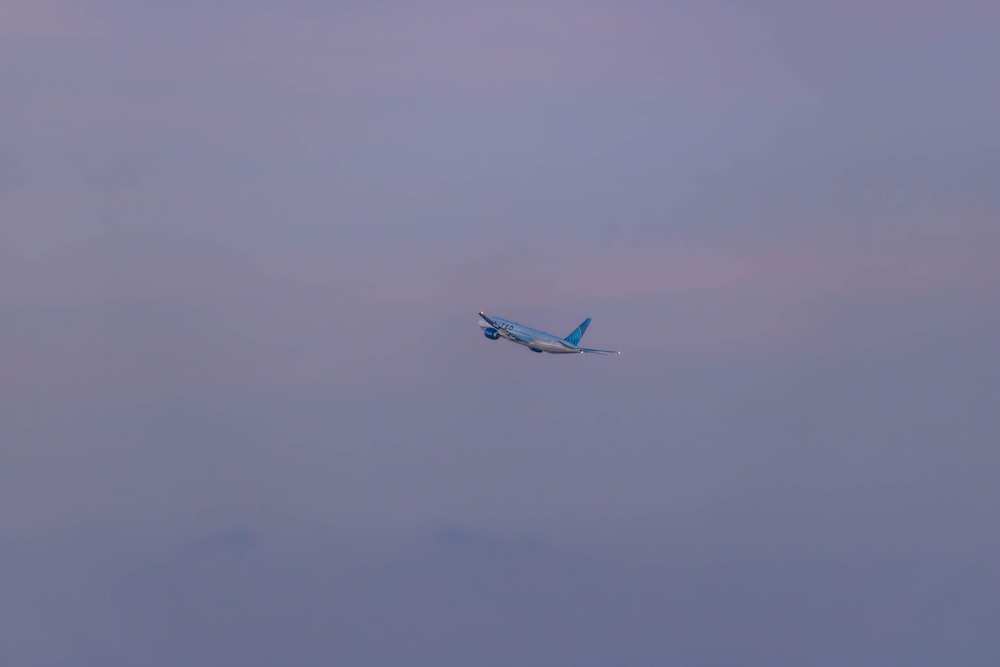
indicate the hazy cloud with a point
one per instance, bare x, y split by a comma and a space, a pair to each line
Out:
246, 416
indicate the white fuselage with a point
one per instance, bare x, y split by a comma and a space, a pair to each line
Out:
533, 339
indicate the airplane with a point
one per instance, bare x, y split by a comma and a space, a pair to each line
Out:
495, 328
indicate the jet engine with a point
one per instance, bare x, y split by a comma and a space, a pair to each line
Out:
491, 333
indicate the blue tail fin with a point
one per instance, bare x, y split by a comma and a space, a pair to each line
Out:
578, 332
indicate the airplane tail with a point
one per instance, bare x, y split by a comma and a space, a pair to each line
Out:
578, 332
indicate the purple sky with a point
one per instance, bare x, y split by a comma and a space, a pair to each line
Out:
247, 418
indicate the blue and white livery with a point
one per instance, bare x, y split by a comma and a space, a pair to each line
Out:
496, 328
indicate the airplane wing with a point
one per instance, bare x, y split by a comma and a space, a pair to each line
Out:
500, 330
590, 350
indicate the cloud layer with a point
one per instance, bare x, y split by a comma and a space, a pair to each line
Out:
246, 416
